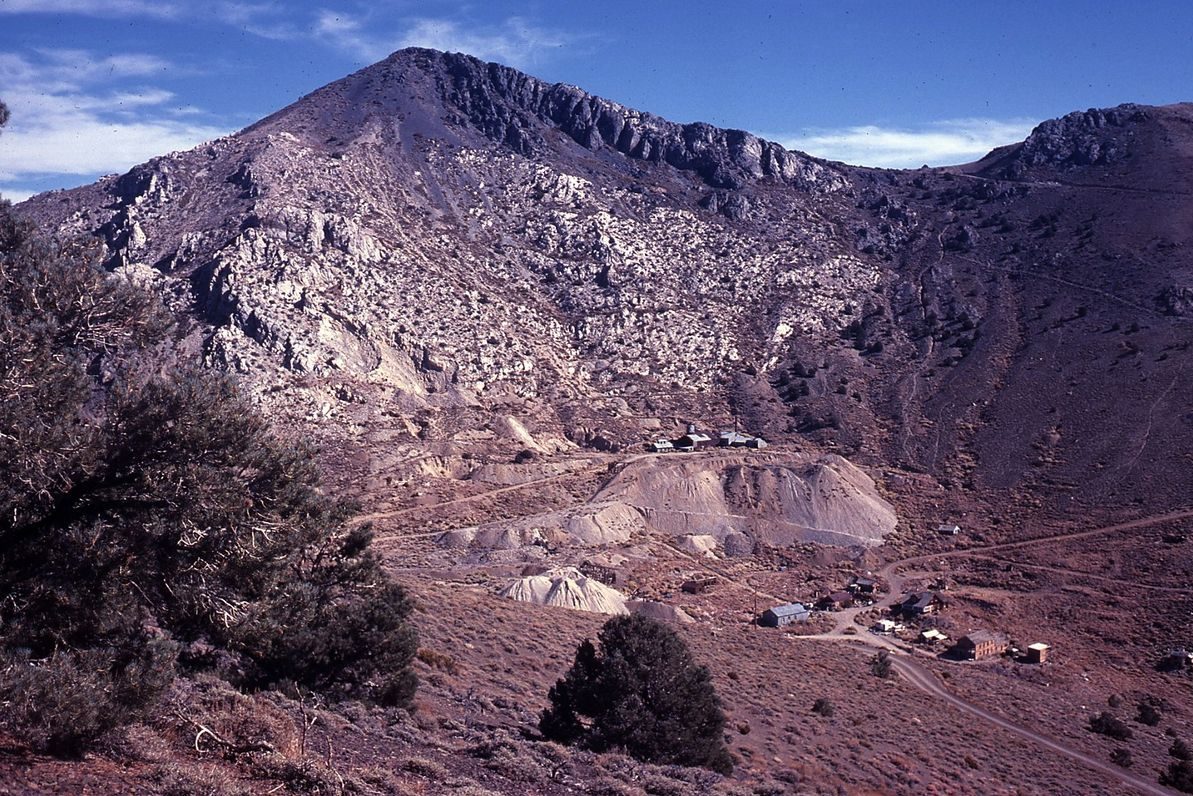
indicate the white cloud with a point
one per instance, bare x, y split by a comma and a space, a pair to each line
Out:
72, 118
15, 195
936, 144
93, 8
515, 42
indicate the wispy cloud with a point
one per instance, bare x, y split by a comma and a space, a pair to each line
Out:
516, 41
74, 117
160, 9
271, 20
935, 144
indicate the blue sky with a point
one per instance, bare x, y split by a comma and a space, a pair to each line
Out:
96, 86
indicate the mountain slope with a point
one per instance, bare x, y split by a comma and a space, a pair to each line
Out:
434, 251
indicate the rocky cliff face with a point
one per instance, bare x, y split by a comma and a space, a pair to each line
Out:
436, 251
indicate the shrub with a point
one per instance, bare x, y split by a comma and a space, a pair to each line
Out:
1179, 775
1180, 750
881, 664
64, 703
643, 693
1121, 757
1150, 711
824, 707
1107, 724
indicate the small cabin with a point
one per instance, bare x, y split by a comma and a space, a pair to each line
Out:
661, 446
757, 443
981, 644
886, 626
949, 530
782, 615
932, 636
1037, 653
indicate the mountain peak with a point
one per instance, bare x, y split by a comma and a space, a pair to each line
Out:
453, 96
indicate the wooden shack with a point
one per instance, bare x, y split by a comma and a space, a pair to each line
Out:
920, 603
1037, 653
863, 585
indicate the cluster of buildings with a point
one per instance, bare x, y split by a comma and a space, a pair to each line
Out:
859, 590
696, 439
913, 608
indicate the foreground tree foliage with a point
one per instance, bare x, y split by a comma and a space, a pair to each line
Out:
641, 693
151, 522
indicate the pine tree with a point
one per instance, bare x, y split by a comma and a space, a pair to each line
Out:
642, 693
151, 521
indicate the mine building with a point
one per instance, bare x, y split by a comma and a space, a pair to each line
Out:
661, 446
733, 439
693, 440
981, 644
886, 626
1037, 653
782, 615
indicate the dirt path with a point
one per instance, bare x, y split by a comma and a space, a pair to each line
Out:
592, 468
1077, 573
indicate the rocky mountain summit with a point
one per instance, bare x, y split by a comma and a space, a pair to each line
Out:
437, 263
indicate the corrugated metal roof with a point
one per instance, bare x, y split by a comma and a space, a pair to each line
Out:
789, 610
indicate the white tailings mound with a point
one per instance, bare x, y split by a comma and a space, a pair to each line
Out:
774, 498
593, 524
567, 588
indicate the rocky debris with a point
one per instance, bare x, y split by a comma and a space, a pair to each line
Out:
1176, 301
567, 587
